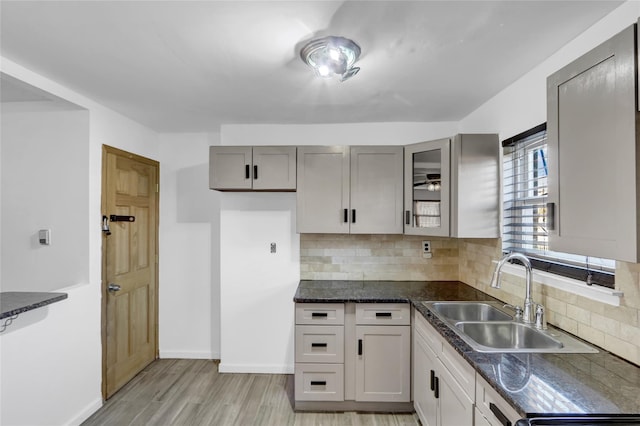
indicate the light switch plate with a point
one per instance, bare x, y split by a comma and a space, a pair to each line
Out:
44, 237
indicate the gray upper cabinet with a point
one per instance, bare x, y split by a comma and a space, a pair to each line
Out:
350, 189
452, 187
246, 168
426, 179
593, 156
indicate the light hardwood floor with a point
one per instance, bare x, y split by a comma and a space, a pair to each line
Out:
192, 392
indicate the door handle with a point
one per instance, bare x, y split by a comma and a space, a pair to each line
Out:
255, 172
113, 287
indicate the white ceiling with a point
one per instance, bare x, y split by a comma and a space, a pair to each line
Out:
189, 66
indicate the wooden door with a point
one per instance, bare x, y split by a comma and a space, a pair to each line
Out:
376, 189
130, 265
323, 190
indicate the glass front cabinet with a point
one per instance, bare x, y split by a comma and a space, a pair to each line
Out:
427, 188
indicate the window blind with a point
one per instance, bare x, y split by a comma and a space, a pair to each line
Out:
525, 159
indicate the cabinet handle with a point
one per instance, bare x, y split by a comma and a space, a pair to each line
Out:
436, 391
318, 345
407, 217
319, 315
359, 346
255, 172
433, 380
383, 314
346, 215
353, 216
499, 415
551, 216
318, 383
247, 171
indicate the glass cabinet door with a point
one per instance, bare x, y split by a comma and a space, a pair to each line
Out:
427, 188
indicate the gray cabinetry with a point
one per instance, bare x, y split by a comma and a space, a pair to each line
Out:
354, 190
383, 362
592, 135
443, 383
319, 352
246, 168
452, 187
353, 356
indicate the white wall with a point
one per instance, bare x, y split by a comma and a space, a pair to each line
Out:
45, 166
523, 104
189, 295
81, 334
257, 286
49, 365
336, 134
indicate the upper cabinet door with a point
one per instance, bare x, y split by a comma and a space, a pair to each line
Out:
274, 168
323, 190
230, 167
376, 190
593, 159
426, 181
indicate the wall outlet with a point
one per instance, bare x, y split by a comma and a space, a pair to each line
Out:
426, 249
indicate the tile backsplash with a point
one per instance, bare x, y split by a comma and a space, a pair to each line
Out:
399, 258
376, 258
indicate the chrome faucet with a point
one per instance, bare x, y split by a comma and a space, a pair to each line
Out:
528, 315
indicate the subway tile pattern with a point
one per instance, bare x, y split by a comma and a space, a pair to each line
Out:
376, 258
399, 258
616, 329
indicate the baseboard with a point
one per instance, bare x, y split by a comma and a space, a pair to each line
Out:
86, 413
188, 355
255, 368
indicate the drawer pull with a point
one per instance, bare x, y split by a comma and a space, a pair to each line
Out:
319, 315
247, 171
318, 383
255, 172
383, 314
407, 217
346, 215
318, 345
353, 216
359, 346
499, 415
436, 391
433, 380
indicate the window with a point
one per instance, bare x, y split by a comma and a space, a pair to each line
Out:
525, 212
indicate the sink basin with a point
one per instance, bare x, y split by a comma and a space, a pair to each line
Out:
486, 327
508, 335
468, 311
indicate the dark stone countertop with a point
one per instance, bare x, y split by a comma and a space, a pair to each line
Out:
16, 302
535, 385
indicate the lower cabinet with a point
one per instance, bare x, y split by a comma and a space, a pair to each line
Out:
353, 356
491, 408
443, 383
383, 366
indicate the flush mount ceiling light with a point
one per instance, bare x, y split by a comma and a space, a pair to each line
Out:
332, 56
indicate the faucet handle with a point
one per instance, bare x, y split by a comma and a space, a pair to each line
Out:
541, 319
519, 311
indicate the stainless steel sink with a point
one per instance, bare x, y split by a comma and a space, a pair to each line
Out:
507, 335
469, 311
486, 327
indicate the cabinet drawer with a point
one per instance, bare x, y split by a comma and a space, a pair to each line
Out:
383, 314
319, 382
318, 343
492, 405
320, 313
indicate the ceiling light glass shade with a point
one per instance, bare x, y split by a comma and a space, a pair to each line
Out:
332, 56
